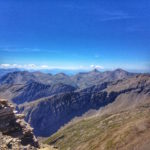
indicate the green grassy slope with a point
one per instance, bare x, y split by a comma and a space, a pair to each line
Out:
121, 125
125, 130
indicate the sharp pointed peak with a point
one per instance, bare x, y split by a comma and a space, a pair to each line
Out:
95, 70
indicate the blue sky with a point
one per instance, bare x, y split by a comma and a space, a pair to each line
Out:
75, 34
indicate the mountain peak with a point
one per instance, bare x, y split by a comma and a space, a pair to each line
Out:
95, 70
61, 74
119, 70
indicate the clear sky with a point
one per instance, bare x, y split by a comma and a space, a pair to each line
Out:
75, 34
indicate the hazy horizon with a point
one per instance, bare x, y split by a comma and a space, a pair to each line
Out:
55, 71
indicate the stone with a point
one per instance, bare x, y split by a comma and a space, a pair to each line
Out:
15, 133
20, 116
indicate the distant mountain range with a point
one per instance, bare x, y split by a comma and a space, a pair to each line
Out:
12, 76
54, 71
5, 71
22, 87
50, 102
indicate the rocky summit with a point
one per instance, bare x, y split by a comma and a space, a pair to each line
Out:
15, 133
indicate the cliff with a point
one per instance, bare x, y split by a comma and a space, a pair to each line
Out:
15, 133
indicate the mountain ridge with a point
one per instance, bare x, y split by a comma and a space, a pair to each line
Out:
62, 108
122, 124
64, 97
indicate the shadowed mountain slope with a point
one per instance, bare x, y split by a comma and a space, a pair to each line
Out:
123, 124
22, 77
28, 86
20, 93
47, 115
20, 87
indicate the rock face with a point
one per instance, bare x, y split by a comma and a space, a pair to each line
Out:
15, 133
48, 114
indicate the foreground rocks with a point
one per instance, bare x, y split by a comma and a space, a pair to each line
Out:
15, 133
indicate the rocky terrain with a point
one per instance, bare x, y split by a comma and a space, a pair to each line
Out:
124, 130
79, 110
15, 133
48, 114
56, 99
123, 124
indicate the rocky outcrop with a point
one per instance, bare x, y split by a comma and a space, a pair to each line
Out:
15, 133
